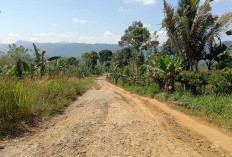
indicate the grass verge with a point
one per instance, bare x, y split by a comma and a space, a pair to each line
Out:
149, 91
24, 101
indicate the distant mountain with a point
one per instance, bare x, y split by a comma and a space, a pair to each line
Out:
1, 53
228, 43
65, 49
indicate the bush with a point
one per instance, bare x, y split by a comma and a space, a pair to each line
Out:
207, 82
194, 82
226, 63
221, 81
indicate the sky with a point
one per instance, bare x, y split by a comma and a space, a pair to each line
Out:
83, 21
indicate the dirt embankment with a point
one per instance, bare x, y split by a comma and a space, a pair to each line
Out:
109, 121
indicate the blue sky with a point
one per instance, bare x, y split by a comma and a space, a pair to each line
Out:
88, 21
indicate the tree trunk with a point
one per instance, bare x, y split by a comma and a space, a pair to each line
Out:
196, 64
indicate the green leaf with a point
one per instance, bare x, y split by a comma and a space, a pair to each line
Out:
36, 54
25, 67
229, 32
54, 58
162, 65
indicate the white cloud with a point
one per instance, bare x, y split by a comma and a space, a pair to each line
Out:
108, 33
82, 21
54, 25
109, 37
144, 2
162, 36
124, 10
13, 35
216, 1
51, 37
146, 25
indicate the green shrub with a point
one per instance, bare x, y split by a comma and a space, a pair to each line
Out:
207, 82
226, 63
220, 81
194, 82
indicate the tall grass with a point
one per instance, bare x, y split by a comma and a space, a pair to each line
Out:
22, 101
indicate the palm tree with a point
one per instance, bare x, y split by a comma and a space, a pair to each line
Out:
217, 52
190, 27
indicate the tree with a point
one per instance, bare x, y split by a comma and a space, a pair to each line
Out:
72, 61
190, 27
135, 37
152, 46
105, 56
17, 53
152, 43
15, 60
122, 57
87, 58
94, 58
90, 59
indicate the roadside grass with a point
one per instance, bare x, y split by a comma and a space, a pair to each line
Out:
24, 101
149, 91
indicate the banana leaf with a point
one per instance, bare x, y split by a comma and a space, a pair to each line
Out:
26, 67
54, 58
36, 54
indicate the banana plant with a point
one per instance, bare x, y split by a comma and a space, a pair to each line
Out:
54, 66
40, 61
164, 71
116, 73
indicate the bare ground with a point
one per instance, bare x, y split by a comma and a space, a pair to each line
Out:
109, 121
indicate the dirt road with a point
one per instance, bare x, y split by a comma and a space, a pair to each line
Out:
109, 121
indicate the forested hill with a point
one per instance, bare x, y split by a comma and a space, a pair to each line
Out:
68, 49
1, 53
71, 49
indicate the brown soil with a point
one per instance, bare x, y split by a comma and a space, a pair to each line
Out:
109, 121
